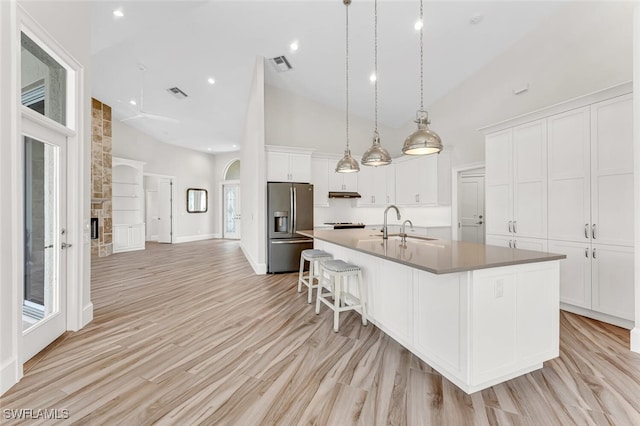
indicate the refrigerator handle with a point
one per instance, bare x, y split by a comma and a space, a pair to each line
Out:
295, 215
291, 206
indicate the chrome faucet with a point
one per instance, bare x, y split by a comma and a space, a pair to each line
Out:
384, 228
403, 233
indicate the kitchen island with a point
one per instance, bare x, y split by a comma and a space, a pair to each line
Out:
478, 314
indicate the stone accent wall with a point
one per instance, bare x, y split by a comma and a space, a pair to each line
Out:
101, 182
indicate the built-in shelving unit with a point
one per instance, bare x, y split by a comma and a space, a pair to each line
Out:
128, 207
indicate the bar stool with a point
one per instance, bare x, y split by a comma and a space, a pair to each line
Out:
336, 270
312, 256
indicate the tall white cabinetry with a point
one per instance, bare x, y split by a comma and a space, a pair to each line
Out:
591, 205
516, 185
417, 181
564, 182
127, 204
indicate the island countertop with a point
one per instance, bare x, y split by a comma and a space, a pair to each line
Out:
432, 255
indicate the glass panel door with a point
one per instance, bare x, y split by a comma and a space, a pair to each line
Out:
43, 308
231, 227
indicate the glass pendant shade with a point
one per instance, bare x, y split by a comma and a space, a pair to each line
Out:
423, 141
347, 164
376, 155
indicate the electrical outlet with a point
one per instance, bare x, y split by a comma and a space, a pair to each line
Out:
499, 290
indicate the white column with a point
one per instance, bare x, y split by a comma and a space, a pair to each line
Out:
635, 333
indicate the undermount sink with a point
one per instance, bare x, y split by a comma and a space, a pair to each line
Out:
398, 237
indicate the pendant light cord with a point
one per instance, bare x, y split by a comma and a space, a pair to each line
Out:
346, 3
421, 58
375, 61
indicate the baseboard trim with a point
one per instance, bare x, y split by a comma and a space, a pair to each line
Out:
258, 268
635, 339
609, 319
191, 238
8, 375
87, 314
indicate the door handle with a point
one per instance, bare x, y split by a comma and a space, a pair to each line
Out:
593, 231
49, 246
65, 245
479, 223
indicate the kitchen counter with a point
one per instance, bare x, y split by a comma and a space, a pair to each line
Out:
478, 314
432, 255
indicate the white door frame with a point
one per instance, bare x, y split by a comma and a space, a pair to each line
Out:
79, 308
174, 207
455, 176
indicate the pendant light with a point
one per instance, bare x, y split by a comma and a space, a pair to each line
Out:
347, 164
376, 155
423, 141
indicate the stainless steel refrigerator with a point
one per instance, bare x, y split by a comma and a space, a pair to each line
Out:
289, 209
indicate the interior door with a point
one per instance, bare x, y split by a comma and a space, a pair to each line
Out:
165, 206
44, 314
471, 208
231, 206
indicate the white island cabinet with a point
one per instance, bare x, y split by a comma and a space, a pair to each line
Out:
479, 315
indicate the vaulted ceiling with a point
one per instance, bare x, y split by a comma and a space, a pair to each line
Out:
184, 43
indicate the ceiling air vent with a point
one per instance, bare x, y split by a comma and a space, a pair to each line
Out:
177, 93
281, 63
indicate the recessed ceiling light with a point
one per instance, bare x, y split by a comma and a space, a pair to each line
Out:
133, 102
418, 25
211, 80
373, 77
209, 149
118, 13
294, 46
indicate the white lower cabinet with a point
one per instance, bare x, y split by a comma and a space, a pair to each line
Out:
128, 237
597, 277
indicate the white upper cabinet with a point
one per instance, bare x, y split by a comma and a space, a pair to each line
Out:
417, 181
285, 166
569, 164
320, 181
341, 182
612, 171
376, 185
516, 181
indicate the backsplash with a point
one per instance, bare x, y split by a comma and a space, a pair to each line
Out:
101, 182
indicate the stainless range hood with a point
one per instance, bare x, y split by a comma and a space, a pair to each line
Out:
344, 194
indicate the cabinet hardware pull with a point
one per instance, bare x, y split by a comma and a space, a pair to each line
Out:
510, 225
593, 231
586, 230
510, 242
515, 245
594, 253
514, 226
586, 253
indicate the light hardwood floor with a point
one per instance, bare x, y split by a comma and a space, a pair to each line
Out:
187, 334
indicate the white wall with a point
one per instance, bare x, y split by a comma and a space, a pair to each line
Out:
68, 24
192, 169
253, 179
635, 333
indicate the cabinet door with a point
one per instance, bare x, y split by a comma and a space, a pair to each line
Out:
499, 240
300, 167
350, 181
499, 183
393, 310
535, 244
406, 182
390, 183
336, 181
575, 272
569, 156
530, 180
612, 280
136, 236
427, 173
278, 167
612, 171
121, 237
320, 181
372, 186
